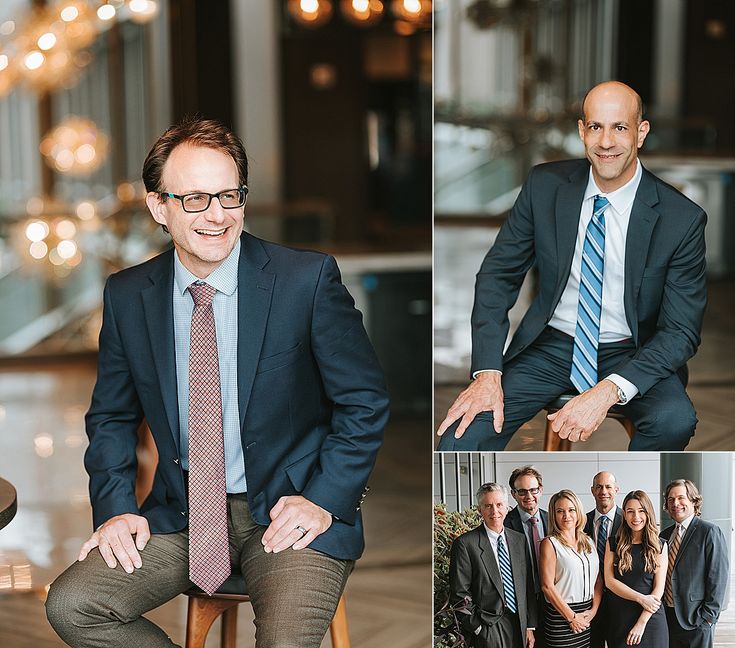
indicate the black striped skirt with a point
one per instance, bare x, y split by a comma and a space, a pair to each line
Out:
558, 632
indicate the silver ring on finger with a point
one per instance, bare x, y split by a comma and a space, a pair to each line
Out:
301, 529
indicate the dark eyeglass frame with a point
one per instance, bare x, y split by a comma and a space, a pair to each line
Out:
242, 190
527, 491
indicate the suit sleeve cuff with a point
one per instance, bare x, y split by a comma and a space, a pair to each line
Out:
629, 389
477, 373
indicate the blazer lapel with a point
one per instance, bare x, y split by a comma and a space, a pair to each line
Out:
254, 293
158, 308
640, 228
517, 558
568, 206
488, 558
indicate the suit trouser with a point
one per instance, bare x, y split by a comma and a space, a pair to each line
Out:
701, 637
506, 633
600, 624
294, 593
664, 417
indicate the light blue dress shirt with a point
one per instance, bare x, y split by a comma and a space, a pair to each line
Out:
224, 280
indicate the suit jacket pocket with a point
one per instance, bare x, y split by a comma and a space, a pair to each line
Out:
300, 470
279, 359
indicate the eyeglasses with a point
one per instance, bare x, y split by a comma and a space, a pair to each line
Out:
200, 201
526, 491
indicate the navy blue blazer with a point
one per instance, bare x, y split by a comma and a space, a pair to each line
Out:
311, 394
665, 291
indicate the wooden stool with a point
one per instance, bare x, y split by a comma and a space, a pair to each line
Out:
554, 443
203, 610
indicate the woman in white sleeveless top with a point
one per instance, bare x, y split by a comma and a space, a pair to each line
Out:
569, 569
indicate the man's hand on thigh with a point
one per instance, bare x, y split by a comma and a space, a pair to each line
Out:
295, 522
115, 541
582, 415
484, 394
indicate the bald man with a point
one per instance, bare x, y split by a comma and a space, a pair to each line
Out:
621, 294
602, 523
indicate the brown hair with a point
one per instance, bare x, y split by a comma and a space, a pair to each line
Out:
522, 472
583, 542
692, 493
195, 131
649, 540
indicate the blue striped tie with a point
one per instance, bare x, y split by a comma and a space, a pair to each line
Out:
587, 335
602, 539
506, 574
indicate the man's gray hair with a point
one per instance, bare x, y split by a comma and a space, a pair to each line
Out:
492, 487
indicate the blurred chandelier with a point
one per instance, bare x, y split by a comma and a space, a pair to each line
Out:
364, 13
75, 146
47, 47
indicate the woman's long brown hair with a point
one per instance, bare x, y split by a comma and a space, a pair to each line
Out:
649, 540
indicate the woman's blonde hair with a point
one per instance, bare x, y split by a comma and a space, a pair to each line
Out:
582, 540
650, 543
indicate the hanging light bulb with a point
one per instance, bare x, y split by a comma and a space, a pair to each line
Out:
415, 11
142, 11
362, 12
310, 13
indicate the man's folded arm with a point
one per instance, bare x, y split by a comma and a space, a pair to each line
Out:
680, 317
112, 426
353, 382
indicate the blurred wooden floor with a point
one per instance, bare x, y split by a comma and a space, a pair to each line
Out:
42, 441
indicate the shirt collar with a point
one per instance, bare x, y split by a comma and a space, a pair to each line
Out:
526, 516
685, 524
620, 199
223, 278
494, 535
610, 515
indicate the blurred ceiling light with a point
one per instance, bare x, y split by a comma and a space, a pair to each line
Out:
126, 191
362, 12
34, 206
4, 61
142, 10
46, 41
55, 258
413, 10
43, 444
69, 13
34, 60
75, 146
106, 12
66, 249
85, 211
65, 229
37, 231
310, 13
38, 250
7, 28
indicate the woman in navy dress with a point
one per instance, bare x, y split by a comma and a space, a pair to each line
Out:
635, 575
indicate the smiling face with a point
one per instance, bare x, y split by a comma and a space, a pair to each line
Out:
678, 504
612, 133
205, 239
493, 508
604, 490
522, 493
635, 516
565, 514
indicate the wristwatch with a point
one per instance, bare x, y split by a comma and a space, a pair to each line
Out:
622, 398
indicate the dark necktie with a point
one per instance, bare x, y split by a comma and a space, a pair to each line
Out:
676, 537
602, 539
589, 309
535, 541
209, 556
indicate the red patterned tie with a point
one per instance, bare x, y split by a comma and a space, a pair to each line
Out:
209, 556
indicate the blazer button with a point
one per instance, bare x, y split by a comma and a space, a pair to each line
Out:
183, 513
176, 461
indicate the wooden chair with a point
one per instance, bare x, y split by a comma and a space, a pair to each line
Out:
554, 443
203, 610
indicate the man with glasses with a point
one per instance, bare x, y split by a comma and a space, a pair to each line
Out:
603, 523
490, 574
526, 487
698, 571
264, 397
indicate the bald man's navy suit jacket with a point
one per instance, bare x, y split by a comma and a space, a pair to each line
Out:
664, 282
311, 395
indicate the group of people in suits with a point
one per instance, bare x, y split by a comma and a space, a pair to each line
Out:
562, 579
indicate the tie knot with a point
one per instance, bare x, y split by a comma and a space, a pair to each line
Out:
202, 293
600, 203
533, 520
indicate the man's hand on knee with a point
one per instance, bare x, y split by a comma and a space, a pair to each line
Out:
582, 415
295, 522
115, 541
484, 394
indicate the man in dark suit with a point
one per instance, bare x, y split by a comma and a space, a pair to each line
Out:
490, 571
264, 397
699, 567
621, 294
527, 487
602, 523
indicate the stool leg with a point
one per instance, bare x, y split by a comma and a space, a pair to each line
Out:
201, 615
229, 628
338, 628
552, 441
